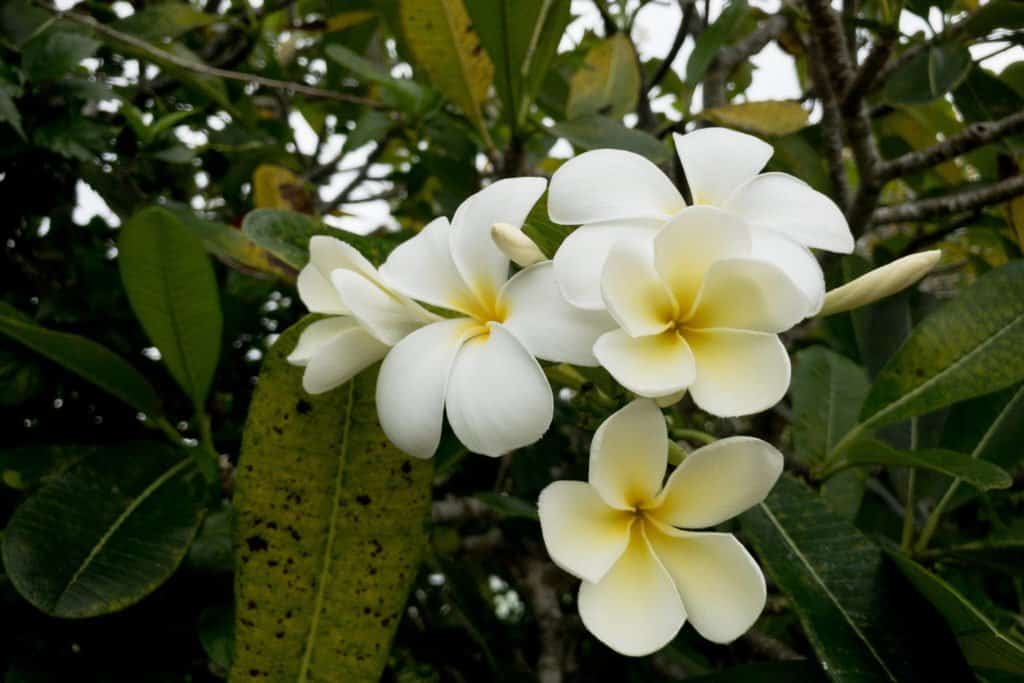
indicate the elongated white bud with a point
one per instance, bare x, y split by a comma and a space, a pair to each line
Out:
880, 282
517, 246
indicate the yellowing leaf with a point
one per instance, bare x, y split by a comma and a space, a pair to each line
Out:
274, 187
441, 38
1015, 216
342, 21
770, 117
608, 83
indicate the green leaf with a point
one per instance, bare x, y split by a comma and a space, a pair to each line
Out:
521, 38
106, 533
997, 14
55, 53
713, 38
10, 89
853, 616
30, 466
767, 118
409, 95
172, 289
988, 651
827, 393
978, 473
984, 97
539, 228
84, 357
165, 20
441, 38
231, 246
285, 234
930, 75
508, 506
608, 82
330, 530
969, 347
598, 132
764, 672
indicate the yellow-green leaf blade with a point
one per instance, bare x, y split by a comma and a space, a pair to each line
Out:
441, 37
329, 533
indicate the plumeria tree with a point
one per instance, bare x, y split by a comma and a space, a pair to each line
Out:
458, 340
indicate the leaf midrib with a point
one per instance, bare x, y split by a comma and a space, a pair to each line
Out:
321, 588
459, 57
118, 523
835, 601
172, 315
879, 417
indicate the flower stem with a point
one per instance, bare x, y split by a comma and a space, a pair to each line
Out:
693, 435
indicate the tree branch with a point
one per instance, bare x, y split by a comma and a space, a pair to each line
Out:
730, 56
540, 581
866, 75
972, 137
831, 124
957, 202
162, 56
361, 176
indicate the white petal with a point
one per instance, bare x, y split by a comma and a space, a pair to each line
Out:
633, 291
693, 240
582, 534
412, 383
718, 160
738, 372
581, 257
341, 359
629, 456
484, 267
608, 184
498, 397
550, 328
796, 261
654, 366
329, 253
386, 317
718, 482
748, 295
422, 268
316, 335
635, 609
317, 292
722, 588
780, 202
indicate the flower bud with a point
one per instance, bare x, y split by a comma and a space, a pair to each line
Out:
516, 245
880, 282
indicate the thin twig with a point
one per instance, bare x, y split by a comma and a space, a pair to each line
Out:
687, 7
974, 136
198, 67
957, 202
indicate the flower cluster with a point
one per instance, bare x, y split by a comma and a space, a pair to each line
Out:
668, 296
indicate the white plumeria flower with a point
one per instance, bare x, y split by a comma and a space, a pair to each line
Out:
697, 312
480, 366
642, 576
366, 316
615, 195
